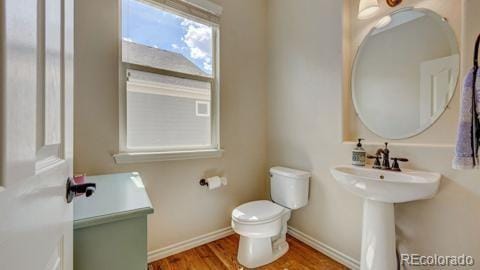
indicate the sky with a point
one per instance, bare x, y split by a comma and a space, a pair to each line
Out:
151, 26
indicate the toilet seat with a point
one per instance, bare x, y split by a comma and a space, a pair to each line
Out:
257, 212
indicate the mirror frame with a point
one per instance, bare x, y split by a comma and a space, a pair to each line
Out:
420, 130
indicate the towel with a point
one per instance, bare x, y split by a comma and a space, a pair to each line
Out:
466, 151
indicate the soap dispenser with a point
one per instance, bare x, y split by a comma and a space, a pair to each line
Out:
359, 154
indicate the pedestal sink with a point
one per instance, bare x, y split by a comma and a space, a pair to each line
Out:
380, 190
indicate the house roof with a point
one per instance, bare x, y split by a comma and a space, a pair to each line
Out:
139, 54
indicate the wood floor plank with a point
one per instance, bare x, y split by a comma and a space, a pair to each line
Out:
226, 250
222, 255
210, 258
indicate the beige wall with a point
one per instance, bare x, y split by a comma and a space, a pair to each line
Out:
305, 131
183, 209
304, 114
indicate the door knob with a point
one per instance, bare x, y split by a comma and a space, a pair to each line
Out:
79, 189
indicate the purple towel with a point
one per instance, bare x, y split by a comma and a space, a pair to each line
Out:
466, 147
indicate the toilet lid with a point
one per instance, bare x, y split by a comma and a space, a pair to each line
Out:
257, 211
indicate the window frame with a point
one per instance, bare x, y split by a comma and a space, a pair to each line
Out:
147, 154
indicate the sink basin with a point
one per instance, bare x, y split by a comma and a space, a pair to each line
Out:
380, 190
387, 186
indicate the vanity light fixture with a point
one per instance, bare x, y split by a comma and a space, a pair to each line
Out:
367, 8
383, 22
394, 3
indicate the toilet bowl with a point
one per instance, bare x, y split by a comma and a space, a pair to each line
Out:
262, 225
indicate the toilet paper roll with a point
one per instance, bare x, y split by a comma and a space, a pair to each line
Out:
216, 182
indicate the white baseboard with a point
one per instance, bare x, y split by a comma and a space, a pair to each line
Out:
325, 249
161, 253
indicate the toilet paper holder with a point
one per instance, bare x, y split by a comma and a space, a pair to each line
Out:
213, 182
203, 182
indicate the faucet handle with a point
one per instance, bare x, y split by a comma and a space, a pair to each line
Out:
376, 164
395, 165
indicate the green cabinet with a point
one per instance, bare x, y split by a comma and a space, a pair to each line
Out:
110, 227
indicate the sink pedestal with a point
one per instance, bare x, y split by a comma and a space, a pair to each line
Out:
380, 189
378, 236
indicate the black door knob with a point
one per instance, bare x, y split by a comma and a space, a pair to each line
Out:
78, 189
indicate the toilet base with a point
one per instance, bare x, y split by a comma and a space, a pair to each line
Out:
255, 252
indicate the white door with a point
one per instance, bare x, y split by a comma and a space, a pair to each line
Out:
36, 88
437, 85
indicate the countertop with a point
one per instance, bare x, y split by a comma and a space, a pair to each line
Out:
117, 197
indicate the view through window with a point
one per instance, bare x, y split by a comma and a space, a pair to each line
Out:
169, 62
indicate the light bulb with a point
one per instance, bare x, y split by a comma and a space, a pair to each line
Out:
367, 8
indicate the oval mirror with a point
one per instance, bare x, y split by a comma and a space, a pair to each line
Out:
405, 73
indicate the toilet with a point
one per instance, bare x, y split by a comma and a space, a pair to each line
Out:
262, 225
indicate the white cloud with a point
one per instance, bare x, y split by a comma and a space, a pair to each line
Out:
198, 38
127, 39
179, 48
197, 53
207, 64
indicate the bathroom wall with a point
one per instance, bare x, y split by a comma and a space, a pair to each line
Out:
308, 120
183, 209
305, 114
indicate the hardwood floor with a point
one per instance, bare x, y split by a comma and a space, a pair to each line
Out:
222, 254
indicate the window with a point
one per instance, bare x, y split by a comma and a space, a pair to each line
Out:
169, 79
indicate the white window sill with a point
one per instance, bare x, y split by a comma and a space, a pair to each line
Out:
142, 157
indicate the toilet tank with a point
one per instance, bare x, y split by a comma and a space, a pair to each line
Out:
289, 187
